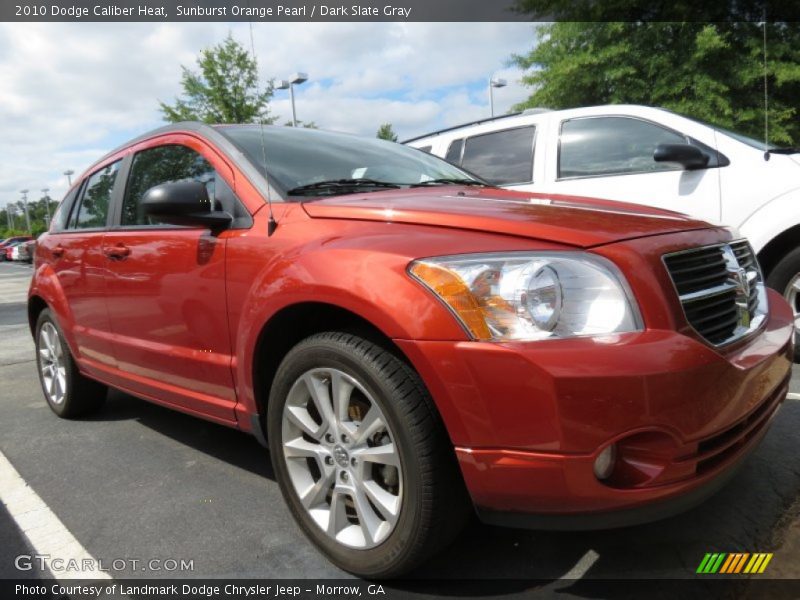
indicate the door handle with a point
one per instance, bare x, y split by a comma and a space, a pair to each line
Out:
118, 252
58, 251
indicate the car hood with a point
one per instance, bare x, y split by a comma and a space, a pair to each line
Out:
572, 220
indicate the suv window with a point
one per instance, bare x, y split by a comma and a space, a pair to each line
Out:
501, 157
612, 146
91, 211
454, 151
164, 164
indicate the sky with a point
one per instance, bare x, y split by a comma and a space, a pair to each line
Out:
70, 92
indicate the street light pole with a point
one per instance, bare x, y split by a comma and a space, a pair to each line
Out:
294, 112
25, 202
69, 173
494, 83
295, 79
46, 203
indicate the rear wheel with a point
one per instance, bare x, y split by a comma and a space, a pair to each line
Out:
68, 393
785, 278
361, 456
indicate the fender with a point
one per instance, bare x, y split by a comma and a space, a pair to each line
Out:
371, 283
772, 219
46, 286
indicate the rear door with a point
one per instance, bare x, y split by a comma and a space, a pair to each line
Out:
165, 287
74, 250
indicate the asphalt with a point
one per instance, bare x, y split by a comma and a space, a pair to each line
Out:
140, 481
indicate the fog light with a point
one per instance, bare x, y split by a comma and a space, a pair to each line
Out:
604, 463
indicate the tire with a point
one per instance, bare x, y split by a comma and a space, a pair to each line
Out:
404, 481
68, 393
785, 278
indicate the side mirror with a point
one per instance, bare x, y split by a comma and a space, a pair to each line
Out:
183, 203
686, 155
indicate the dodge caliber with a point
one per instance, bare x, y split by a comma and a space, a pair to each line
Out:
411, 344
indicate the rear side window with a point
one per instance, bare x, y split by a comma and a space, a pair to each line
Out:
501, 157
91, 211
612, 146
61, 215
164, 164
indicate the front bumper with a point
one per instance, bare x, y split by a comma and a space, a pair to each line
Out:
528, 419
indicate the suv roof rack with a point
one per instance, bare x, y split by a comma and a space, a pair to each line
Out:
527, 111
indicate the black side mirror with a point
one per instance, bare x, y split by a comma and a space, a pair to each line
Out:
686, 155
183, 203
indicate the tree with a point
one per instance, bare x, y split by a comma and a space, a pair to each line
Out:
712, 72
37, 212
385, 132
225, 90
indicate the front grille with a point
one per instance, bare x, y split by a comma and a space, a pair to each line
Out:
720, 288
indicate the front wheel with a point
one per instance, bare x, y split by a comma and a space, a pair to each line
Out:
785, 278
361, 456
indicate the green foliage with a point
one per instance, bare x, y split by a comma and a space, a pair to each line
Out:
713, 72
385, 132
37, 212
225, 90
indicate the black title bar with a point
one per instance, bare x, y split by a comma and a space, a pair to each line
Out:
399, 10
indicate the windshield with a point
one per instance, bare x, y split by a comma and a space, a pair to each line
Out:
301, 158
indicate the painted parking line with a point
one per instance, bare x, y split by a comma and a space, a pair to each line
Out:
46, 534
792, 396
582, 566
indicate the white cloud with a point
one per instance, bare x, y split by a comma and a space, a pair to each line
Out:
68, 92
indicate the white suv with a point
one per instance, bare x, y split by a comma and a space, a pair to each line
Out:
648, 156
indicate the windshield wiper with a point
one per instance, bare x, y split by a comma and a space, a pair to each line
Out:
339, 186
448, 181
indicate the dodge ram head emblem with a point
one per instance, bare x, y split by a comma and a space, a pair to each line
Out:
739, 277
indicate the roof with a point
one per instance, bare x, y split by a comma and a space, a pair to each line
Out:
215, 135
527, 111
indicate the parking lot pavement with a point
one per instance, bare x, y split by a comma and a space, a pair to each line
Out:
138, 481
15, 338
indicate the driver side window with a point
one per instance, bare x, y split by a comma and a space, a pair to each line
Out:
592, 146
164, 164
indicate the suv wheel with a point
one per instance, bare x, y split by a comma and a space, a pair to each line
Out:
68, 393
785, 278
361, 456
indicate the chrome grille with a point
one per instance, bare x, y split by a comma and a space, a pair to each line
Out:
721, 290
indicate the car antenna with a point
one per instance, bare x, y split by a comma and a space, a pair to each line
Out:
766, 96
272, 223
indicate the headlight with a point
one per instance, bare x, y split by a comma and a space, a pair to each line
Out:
531, 296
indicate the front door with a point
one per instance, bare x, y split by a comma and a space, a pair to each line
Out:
165, 289
612, 157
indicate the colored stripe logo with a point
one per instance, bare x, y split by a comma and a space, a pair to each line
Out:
734, 562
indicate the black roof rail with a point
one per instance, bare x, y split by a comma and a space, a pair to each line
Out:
478, 122
527, 111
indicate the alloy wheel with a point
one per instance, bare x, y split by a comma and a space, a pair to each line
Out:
792, 295
342, 458
51, 364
